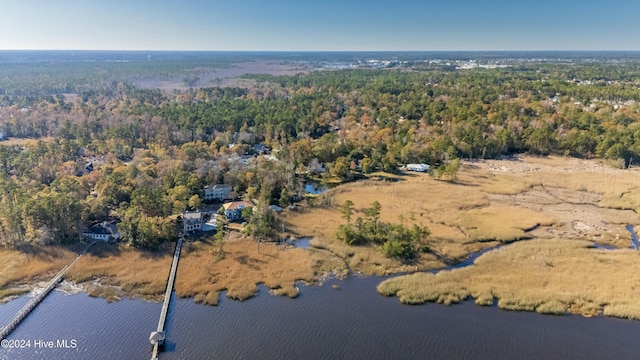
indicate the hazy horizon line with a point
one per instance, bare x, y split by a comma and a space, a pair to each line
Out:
335, 51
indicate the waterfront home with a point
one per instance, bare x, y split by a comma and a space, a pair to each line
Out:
217, 192
192, 221
104, 231
233, 210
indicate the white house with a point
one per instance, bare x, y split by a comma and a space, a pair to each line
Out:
104, 231
418, 167
216, 192
192, 221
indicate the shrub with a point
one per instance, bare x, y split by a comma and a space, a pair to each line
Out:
398, 249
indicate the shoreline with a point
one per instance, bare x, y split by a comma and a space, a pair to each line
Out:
560, 204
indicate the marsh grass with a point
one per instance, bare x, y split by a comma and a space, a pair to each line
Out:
506, 185
202, 274
502, 223
10, 293
135, 272
548, 276
29, 264
625, 310
110, 293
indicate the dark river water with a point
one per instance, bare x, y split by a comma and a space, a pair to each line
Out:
323, 323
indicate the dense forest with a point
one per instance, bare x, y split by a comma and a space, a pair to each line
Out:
92, 148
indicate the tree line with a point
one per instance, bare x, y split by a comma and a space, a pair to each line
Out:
152, 152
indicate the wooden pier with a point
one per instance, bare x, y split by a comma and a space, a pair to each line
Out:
157, 337
28, 308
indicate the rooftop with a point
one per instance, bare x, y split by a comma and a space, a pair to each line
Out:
103, 228
218, 186
192, 215
234, 205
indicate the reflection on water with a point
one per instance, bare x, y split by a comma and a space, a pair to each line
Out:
357, 323
323, 323
302, 243
101, 330
315, 189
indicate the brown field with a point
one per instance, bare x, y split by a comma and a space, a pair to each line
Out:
29, 265
23, 141
202, 273
225, 76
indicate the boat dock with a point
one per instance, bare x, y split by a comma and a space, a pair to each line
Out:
157, 337
28, 308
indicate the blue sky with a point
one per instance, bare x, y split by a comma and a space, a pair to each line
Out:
321, 25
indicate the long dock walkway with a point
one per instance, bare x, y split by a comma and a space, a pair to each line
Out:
158, 337
28, 308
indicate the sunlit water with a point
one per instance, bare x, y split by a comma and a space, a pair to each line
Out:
323, 323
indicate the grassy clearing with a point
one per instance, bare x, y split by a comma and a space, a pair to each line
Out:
24, 141
121, 271
548, 276
506, 185
203, 274
501, 223
29, 264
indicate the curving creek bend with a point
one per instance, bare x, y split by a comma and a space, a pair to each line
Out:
354, 322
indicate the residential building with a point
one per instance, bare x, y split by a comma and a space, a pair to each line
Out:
418, 167
104, 231
192, 221
260, 149
233, 210
217, 192
316, 167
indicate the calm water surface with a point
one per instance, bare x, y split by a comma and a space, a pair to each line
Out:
323, 323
